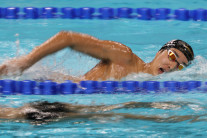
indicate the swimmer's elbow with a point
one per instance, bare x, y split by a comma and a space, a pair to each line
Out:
65, 34
74, 38
67, 37
69, 33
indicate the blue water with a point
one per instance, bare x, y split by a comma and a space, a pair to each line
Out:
144, 37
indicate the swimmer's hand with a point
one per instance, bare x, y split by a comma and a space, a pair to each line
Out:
14, 66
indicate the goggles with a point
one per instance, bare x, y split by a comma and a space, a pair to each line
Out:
173, 57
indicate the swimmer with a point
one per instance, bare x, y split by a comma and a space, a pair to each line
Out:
41, 112
116, 59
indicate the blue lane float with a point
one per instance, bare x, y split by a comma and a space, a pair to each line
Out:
10, 12
162, 14
199, 15
106, 13
31, 13
68, 13
144, 13
29, 87
124, 12
85, 13
48, 12
182, 14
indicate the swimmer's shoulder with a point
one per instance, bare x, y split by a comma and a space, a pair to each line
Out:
136, 59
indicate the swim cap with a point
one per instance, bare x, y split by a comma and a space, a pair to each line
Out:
182, 46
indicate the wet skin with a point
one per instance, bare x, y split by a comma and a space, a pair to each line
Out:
94, 111
116, 60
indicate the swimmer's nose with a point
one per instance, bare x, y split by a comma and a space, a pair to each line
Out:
168, 69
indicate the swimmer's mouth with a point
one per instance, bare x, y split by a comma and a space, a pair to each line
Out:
161, 70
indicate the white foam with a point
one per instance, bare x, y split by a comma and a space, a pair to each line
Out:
196, 71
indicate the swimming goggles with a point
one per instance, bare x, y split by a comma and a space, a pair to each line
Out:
172, 57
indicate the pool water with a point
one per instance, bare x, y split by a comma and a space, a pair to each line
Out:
132, 33
19, 37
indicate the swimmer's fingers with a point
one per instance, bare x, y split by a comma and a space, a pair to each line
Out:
13, 67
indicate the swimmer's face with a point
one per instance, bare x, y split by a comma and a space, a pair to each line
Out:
164, 63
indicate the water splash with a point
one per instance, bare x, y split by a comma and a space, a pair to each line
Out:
62, 63
41, 71
196, 71
17, 42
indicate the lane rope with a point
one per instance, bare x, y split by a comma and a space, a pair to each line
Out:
181, 14
29, 87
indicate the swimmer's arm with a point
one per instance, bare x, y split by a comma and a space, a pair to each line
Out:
155, 118
129, 105
11, 113
100, 49
170, 119
18, 113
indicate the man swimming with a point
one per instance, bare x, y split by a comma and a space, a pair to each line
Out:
117, 60
41, 112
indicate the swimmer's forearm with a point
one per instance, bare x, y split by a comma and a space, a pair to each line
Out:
10, 113
171, 119
87, 44
159, 105
50, 46
126, 105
